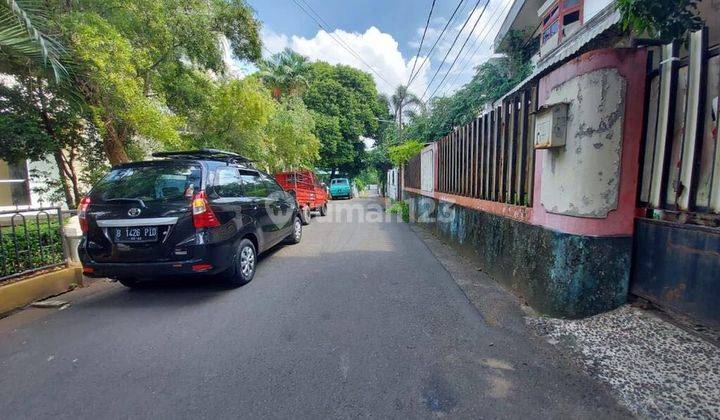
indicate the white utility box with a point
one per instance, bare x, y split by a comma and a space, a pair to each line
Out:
551, 125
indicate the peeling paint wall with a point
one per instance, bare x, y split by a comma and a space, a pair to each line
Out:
582, 178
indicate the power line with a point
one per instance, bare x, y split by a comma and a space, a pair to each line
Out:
436, 42
454, 42
468, 57
319, 21
417, 56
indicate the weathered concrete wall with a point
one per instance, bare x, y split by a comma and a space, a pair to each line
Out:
589, 187
558, 274
582, 178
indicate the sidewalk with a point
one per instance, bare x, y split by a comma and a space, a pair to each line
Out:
653, 367
650, 366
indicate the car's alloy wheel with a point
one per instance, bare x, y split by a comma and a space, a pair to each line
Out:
245, 263
296, 235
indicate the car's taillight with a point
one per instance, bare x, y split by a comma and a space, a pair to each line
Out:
203, 216
82, 213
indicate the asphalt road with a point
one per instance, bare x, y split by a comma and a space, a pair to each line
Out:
360, 319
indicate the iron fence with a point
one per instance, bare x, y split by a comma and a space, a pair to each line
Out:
412, 172
30, 241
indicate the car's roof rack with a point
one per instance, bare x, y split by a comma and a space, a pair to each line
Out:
207, 154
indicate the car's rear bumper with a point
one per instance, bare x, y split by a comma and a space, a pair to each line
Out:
217, 260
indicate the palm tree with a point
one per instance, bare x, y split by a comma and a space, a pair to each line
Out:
404, 103
285, 73
25, 40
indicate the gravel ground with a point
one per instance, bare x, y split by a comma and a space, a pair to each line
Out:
653, 367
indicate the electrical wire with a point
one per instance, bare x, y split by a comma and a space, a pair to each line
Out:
454, 42
417, 56
319, 21
436, 41
467, 58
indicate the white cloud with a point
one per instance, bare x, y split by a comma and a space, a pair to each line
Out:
374, 47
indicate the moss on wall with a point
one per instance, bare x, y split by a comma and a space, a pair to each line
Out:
558, 274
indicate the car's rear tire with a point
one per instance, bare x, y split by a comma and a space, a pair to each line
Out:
243, 269
305, 215
296, 235
323, 209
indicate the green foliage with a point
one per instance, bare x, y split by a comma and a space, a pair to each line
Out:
241, 116
37, 121
27, 41
235, 117
285, 73
402, 208
359, 184
347, 106
664, 19
292, 133
492, 80
21, 133
137, 59
401, 153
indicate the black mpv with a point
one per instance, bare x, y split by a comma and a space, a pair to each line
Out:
198, 212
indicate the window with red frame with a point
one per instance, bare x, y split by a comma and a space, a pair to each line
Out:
562, 13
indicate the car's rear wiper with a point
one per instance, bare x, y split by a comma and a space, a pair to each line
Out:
142, 203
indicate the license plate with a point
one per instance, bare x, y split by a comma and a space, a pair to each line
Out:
136, 234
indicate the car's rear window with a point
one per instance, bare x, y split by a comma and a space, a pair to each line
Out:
167, 182
341, 181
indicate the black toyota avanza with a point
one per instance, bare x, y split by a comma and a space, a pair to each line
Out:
198, 212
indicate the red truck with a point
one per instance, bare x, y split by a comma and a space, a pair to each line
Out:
309, 192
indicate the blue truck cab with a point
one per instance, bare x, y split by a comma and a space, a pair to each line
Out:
340, 188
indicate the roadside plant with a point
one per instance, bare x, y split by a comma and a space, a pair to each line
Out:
662, 19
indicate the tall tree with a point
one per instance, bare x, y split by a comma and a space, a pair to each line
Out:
404, 104
36, 122
285, 73
125, 50
347, 107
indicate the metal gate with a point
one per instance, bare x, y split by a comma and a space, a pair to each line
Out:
676, 262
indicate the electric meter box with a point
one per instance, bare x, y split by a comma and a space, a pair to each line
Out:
551, 126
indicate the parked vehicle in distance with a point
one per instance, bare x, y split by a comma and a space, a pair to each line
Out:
309, 192
340, 188
197, 212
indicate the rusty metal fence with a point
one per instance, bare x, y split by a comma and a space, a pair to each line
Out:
492, 157
30, 241
681, 159
412, 172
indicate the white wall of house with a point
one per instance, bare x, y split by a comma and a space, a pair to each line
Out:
427, 169
593, 7
392, 183
29, 175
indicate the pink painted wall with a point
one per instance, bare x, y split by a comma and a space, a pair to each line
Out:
630, 63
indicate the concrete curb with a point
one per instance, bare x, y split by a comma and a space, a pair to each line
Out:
18, 294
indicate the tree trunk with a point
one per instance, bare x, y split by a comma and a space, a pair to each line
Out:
62, 171
114, 145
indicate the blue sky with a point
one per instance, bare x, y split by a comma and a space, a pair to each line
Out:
385, 34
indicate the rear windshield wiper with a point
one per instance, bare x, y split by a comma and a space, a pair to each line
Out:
142, 203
